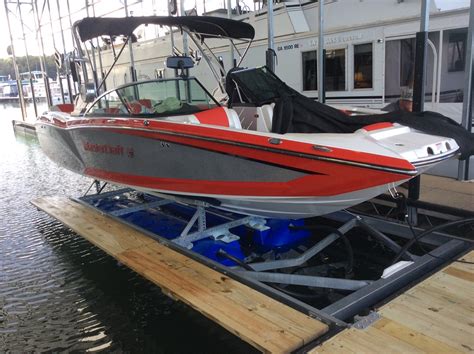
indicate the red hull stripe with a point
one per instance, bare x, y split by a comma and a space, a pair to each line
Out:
344, 180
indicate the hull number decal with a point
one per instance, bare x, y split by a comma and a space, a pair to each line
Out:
289, 46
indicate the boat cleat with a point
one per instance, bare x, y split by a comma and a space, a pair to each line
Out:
364, 322
258, 224
226, 236
218, 235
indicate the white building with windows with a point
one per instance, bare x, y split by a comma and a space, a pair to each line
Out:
370, 50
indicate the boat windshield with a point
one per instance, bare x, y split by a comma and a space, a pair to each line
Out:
155, 98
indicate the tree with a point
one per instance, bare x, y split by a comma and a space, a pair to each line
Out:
6, 65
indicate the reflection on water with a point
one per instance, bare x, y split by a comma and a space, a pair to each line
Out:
58, 292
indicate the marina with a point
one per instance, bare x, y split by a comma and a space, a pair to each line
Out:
255, 212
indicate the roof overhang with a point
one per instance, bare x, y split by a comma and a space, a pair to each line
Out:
204, 26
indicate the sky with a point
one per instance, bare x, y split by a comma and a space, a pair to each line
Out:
103, 8
77, 9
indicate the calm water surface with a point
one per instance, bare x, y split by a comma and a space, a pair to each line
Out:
58, 292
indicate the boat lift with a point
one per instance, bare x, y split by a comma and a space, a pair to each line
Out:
214, 238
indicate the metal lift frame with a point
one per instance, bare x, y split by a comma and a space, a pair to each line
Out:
366, 293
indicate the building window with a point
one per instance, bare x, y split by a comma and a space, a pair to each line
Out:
363, 66
407, 62
335, 71
310, 81
457, 51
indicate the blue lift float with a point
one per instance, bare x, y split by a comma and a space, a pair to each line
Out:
219, 239
201, 228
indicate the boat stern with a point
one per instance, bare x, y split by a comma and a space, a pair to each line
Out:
420, 149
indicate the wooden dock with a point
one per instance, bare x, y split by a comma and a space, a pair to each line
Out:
447, 191
435, 316
24, 128
265, 323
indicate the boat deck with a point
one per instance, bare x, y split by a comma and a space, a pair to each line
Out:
435, 316
265, 323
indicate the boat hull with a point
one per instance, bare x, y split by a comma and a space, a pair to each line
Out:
291, 207
241, 179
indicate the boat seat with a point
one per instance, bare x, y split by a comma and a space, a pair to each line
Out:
112, 110
140, 106
265, 118
234, 120
146, 102
62, 107
221, 116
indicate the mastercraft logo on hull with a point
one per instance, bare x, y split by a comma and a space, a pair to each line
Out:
106, 149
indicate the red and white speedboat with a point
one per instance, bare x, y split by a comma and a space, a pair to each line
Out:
170, 137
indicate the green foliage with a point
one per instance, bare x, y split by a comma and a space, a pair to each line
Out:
6, 66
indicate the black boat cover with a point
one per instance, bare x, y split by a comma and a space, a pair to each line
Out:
205, 26
296, 113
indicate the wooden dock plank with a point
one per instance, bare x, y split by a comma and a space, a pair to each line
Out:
415, 338
432, 324
447, 191
370, 341
256, 318
435, 316
236, 319
460, 273
82, 219
465, 266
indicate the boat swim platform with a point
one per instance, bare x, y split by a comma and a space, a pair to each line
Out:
435, 316
263, 322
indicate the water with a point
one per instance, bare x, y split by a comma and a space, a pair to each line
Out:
59, 292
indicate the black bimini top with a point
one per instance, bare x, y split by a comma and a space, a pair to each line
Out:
205, 26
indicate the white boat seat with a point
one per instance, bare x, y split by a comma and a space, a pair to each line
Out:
265, 118
234, 120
